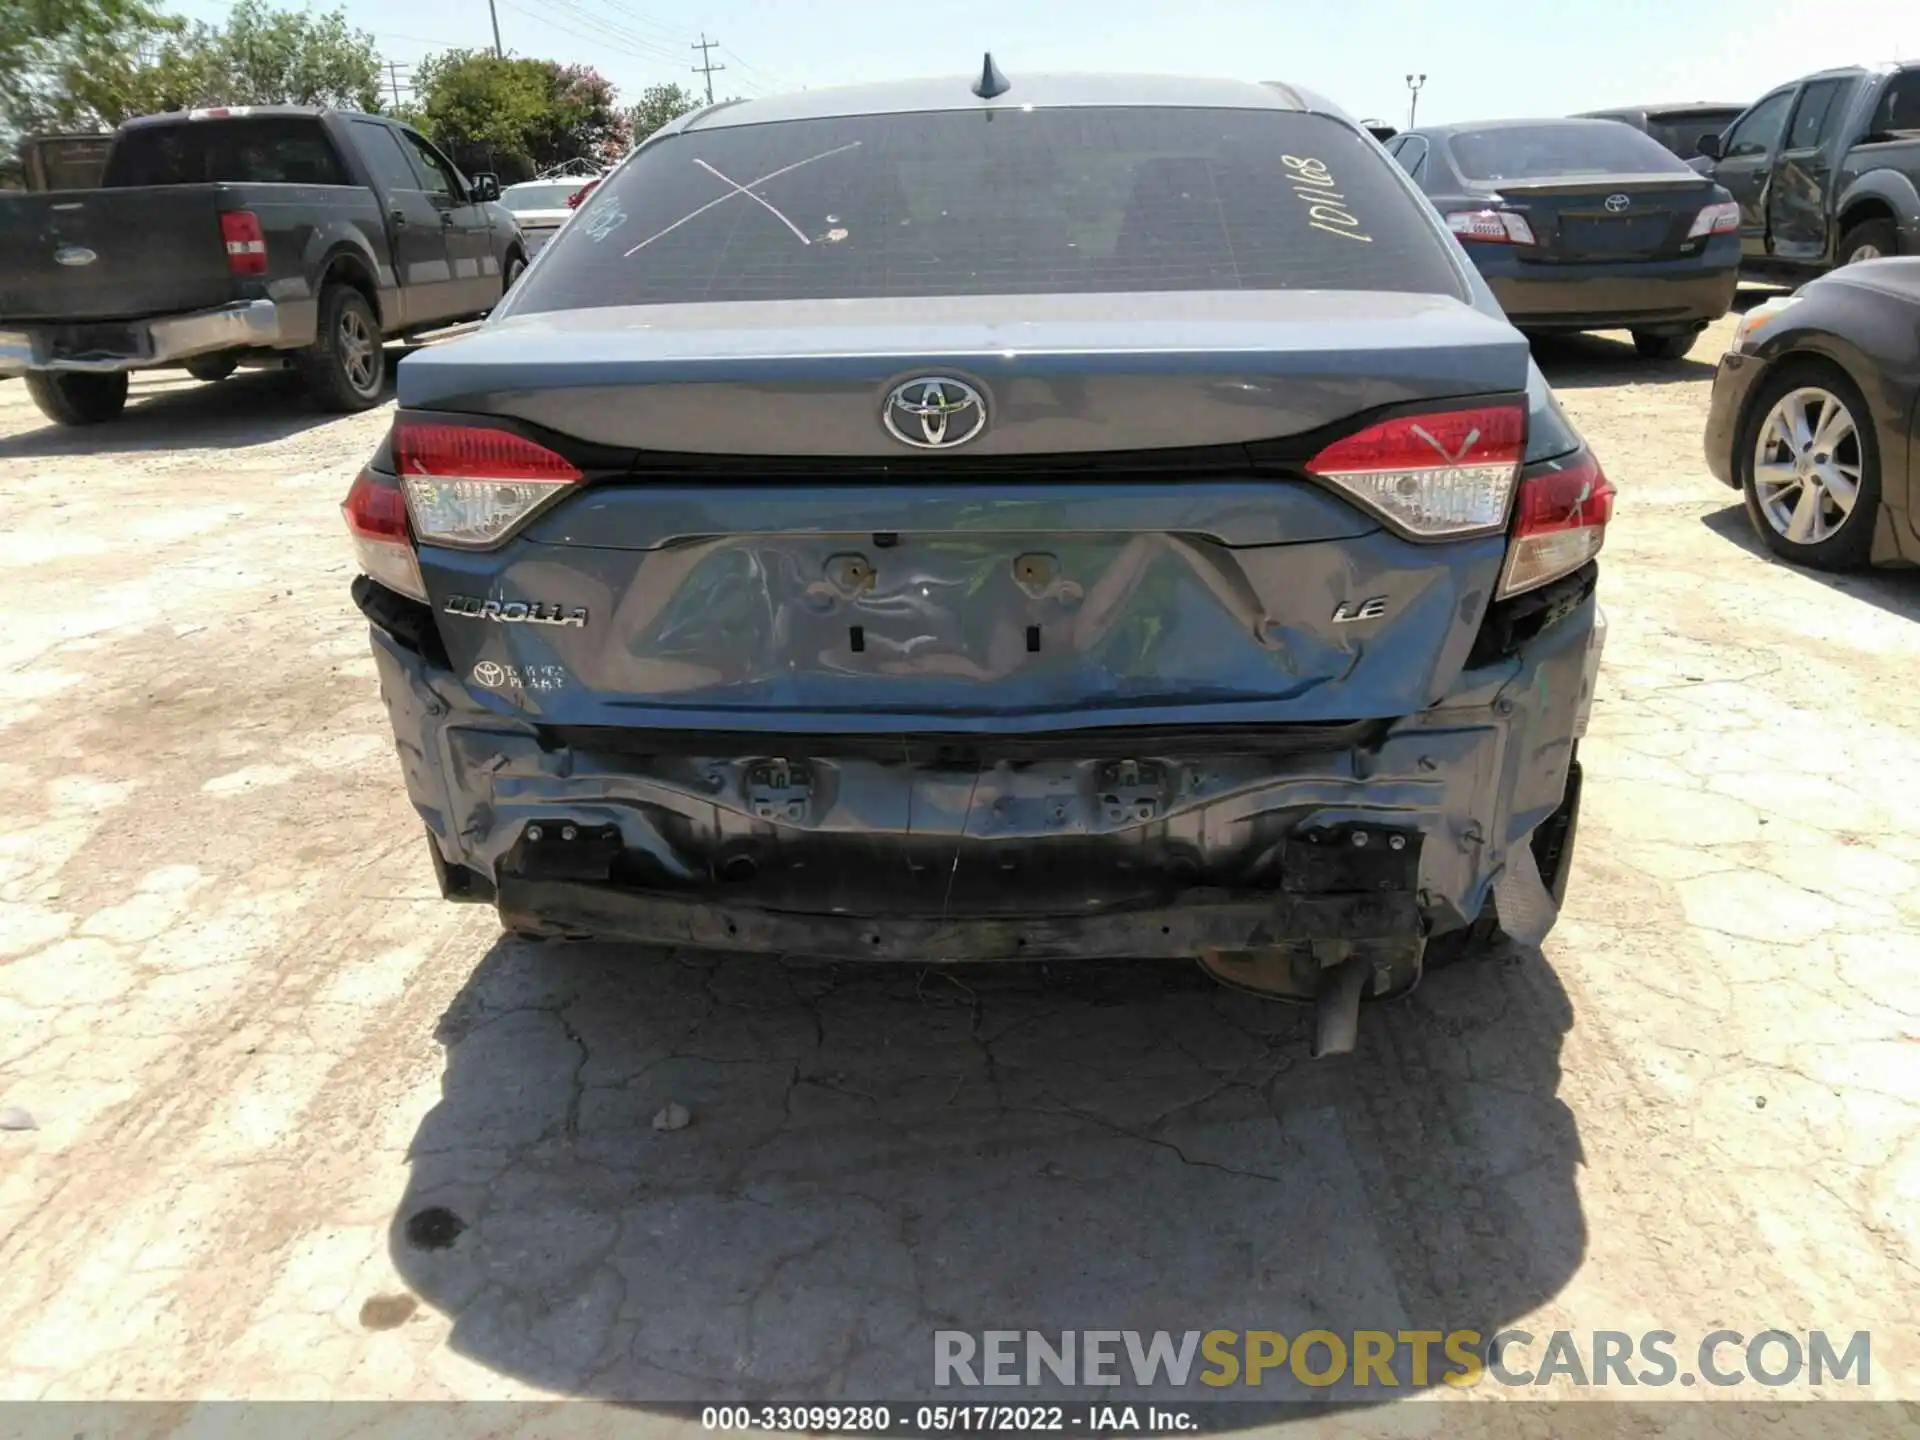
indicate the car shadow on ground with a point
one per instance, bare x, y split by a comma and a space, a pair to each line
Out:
874, 1154
1588, 360
169, 408
1895, 591
1596, 361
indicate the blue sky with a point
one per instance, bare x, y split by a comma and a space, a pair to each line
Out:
1483, 58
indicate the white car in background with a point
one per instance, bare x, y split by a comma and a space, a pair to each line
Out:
540, 207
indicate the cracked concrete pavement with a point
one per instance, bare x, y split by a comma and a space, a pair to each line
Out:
305, 1131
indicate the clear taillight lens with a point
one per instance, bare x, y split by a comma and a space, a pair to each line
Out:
1721, 219
1559, 523
1502, 227
376, 516
468, 485
1438, 475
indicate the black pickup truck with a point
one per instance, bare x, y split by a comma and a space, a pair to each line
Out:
264, 235
1826, 170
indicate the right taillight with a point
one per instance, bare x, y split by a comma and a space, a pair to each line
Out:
246, 242
1721, 219
376, 516
1500, 227
471, 485
1437, 475
1559, 523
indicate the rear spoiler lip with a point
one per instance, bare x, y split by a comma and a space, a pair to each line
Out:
1655, 181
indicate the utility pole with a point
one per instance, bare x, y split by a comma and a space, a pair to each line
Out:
393, 76
492, 12
1414, 82
706, 66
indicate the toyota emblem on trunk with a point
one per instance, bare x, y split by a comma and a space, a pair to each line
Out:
1617, 203
934, 412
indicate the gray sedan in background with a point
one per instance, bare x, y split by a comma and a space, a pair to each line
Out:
1584, 225
1814, 414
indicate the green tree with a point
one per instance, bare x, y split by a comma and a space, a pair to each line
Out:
69, 63
584, 120
263, 56
659, 104
473, 97
542, 112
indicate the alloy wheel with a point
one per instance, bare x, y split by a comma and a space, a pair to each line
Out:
357, 352
1806, 465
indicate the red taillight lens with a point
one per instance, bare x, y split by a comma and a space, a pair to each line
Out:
246, 242
1559, 523
470, 485
1500, 227
376, 516
474, 451
1435, 475
573, 200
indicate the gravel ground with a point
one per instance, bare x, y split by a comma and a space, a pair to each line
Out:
301, 1130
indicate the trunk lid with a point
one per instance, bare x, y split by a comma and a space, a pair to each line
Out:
83, 255
1074, 374
1131, 541
1605, 217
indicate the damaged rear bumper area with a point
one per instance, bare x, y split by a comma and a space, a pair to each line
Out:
1270, 852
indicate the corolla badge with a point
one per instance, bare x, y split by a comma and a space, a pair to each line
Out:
74, 255
516, 612
934, 412
1617, 203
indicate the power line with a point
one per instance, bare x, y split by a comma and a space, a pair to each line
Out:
641, 17
601, 40
598, 33
706, 66
767, 77
636, 44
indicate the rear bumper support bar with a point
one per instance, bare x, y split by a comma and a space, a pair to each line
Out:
1177, 932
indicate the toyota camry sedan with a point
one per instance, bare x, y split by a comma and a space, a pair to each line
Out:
994, 519
1815, 418
1584, 225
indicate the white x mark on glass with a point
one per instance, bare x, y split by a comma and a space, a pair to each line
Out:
746, 190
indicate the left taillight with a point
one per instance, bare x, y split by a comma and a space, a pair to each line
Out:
376, 516
1721, 219
1436, 476
1501, 227
1559, 522
471, 486
246, 242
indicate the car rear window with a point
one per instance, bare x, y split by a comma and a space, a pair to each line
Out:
1568, 147
1681, 133
1083, 200
286, 149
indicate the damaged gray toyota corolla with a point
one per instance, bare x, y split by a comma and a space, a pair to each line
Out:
1082, 517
